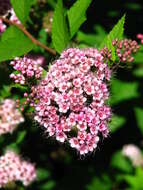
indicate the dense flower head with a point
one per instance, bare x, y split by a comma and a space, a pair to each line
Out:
27, 68
13, 168
70, 101
2, 26
10, 117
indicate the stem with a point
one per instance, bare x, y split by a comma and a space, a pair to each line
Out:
24, 30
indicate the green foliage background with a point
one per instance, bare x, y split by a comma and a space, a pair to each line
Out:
81, 23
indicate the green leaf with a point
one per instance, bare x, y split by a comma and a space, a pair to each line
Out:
76, 15
122, 91
12, 146
120, 162
135, 181
42, 174
139, 118
48, 185
138, 72
60, 37
89, 39
138, 57
100, 184
5, 91
116, 123
19, 86
116, 33
21, 136
14, 43
22, 8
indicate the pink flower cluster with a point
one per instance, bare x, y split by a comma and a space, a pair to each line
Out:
2, 26
125, 48
124, 51
70, 101
10, 117
28, 68
13, 168
134, 154
140, 37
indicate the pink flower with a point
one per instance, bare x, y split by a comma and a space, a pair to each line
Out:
10, 117
2, 26
13, 168
140, 36
27, 68
70, 101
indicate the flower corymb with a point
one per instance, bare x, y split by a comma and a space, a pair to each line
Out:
10, 117
13, 168
70, 102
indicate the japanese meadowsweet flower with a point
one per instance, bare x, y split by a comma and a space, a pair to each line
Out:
133, 153
71, 101
13, 168
27, 68
13, 17
140, 37
2, 26
10, 117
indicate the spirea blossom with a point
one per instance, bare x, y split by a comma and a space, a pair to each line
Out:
71, 101
13, 17
134, 154
13, 168
27, 68
10, 117
124, 50
140, 37
2, 26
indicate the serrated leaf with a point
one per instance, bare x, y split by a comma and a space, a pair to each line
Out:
116, 123
139, 118
14, 43
77, 15
22, 8
10, 32
60, 37
116, 33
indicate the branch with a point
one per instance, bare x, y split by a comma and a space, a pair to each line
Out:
24, 30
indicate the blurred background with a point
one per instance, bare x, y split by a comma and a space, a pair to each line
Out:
117, 163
